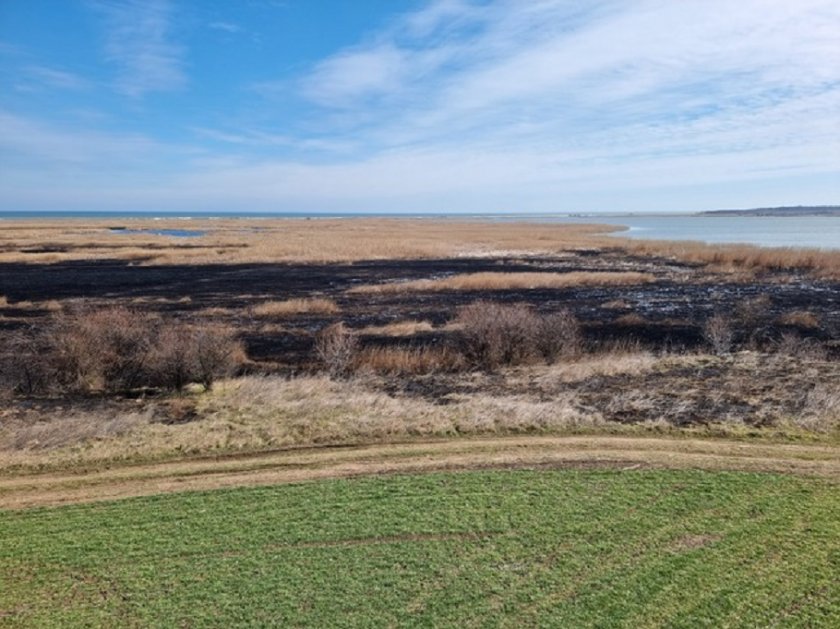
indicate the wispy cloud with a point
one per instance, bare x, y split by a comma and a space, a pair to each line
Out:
138, 41
227, 27
53, 78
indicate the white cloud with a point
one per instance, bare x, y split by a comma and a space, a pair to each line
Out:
138, 41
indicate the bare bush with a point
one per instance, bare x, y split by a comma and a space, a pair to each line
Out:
559, 336
117, 349
22, 365
719, 334
184, 354
336, 347
497, 334
99, 349
791, 344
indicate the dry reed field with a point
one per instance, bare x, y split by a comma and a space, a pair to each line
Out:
505, 281
278, 240
346, 240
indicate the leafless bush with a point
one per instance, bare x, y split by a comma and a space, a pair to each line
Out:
184, 353
22, 365
98, 349
791, 344
497, 334
559, 336
336, 347
117, 349
719, 334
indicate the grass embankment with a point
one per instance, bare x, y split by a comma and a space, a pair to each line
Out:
513, 548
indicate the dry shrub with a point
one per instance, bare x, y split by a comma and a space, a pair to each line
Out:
719, 334
497, 334
118, 349
108, 348
511, 281
23, 368
791, 344
800, 319
296, 306
559, 336
184, 353
492, 335
394, 361
336, 347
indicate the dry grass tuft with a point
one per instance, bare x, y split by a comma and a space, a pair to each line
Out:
399, 328
311, 305
510, 281
821, 411
616, 304
800, 319
631, 319
64, 431
396, 361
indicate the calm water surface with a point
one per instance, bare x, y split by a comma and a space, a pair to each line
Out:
822, 232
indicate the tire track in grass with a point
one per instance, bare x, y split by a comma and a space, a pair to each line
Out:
23, 490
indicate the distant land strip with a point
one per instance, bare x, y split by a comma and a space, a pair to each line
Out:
796, 210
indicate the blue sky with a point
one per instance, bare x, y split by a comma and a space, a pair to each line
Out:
415, 105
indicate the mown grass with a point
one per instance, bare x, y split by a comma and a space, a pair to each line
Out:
510, 548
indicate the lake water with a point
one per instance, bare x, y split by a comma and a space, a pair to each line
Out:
821, 232
175, 233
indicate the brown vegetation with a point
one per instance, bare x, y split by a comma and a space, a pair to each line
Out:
719, 334
400, 361
336, 347
728, 258
116, 350
800, 319
310, 305
398, 328
508, 281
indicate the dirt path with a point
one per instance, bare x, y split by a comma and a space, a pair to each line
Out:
30, 490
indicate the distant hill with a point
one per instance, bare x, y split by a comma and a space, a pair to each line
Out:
798, 210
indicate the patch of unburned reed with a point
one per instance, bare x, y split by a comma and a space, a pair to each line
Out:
737, 258
510, 281
800, 319
309, 305
408, 327
396, 361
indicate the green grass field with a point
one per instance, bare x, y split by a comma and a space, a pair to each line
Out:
565, 548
